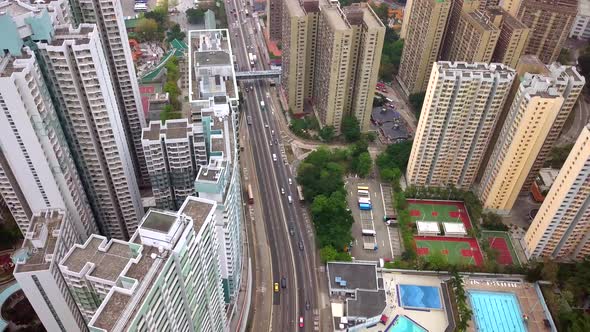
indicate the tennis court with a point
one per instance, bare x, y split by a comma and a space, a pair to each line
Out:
440, 211
501, 242
456, 250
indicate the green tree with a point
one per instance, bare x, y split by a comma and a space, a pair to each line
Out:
395, 156
332, 220
147, 29
550, 270
351, 128
195, 16
365, 164
558, 155
371, 136
327, 133
328, 254
176, 33
416, 100
438, 261
158, 15
172, 89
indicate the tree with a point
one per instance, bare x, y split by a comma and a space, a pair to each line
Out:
584, 64
172, 89
416, 100
328, 254
176, 33
365, 164
558, 155
391, 175
195, 16
147, 29
371, 136
438, 261
395, 156
158, 15
327, 133
549, 270
351, 128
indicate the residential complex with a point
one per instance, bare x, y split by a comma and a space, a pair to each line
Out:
581, 26
174, 151
167, 277
48, 239
512, 39
83, 88
461, 108
37, 171
533, 111
474, 38
427, 20
550, 22
274, 21
218, 178
561, 228
331, 59
107, 15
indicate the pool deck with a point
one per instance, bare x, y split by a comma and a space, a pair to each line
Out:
524, 291
433, 320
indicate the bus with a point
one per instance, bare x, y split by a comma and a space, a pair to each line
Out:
369, 232
365, 200
363, 193
365, 206
300, 193
363, 188
140, 7
250, 195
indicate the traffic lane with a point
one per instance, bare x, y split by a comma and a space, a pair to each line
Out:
261, 135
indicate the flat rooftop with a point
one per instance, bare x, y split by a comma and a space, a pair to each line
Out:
335, 17
112, 310
481, 20
197, 210
211, 174
356, 276
40, 240
158, 220
171, 129
366, 303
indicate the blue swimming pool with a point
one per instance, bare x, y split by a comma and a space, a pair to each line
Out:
404, 324
423, 297
496, 311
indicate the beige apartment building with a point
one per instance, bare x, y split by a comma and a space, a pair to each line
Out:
331, 59
550, 22
461, 107
474, 38
532, 114
512, 39
424, 36
561, 228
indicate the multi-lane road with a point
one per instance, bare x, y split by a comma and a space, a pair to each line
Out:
292, 246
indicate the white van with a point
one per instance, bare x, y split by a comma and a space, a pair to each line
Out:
274, 157
290, 199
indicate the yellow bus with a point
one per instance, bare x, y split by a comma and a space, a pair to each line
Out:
363, 188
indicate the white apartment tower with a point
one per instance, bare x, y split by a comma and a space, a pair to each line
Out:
77, 68
109, 20
561, 228
174, 151
48, 239
37, 171
532, 113
461, 107
166, 278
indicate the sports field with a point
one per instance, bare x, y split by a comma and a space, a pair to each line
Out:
441, 211
457, 250
500, 241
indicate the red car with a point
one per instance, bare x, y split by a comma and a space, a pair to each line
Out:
301, 321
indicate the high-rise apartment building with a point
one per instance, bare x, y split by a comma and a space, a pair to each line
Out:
48, 239
109, 20
474, 38
533, 111
550, 22
331, 59
561, 228
581, 26
461, 107
167, 277
512, 39
83, 87
219, 178
275, 19
426, 24
173, 151
37, 171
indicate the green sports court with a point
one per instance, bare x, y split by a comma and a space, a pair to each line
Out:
439, 211
456, 250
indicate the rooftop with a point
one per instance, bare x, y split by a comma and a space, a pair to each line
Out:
41, 240
335, 17
355, 276
112, 310
158, 221
478, 17
366, 304
208, 173
197, 210
171, 129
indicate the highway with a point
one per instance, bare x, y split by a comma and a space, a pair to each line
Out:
292, 256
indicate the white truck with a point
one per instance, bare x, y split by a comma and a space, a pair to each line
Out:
252, 58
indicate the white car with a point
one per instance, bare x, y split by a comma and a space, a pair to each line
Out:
266, 125
282, 191
290, 182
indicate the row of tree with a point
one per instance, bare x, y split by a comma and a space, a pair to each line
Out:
174, 107
155, 24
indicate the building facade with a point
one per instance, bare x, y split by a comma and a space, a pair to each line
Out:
174, 151
76, 67
528, 123
48, 239
108, 17
581, 26
166, 277
512, 39
426, 25
37, 171
474, 38
550, 22
561, 228
461, 108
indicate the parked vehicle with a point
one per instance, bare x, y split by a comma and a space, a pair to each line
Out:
283, 282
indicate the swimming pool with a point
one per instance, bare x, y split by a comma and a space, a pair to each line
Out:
404, 324
496, 311
423, 297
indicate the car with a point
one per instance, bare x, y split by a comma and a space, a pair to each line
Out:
276, 287
290, 182
266, 125
301, 245
282, 191
291, 230
307, 305
290, 199
301, 321
283, 282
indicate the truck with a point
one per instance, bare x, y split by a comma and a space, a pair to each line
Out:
252, 58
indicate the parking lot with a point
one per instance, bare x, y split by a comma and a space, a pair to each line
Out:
371, 247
